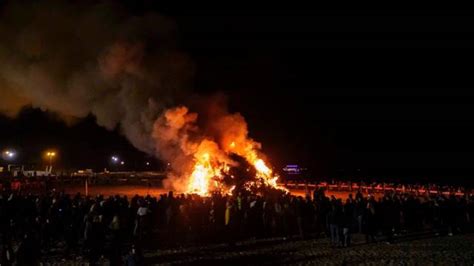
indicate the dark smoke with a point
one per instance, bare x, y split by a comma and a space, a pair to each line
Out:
78, 59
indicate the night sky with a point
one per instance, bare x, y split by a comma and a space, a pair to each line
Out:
389, 93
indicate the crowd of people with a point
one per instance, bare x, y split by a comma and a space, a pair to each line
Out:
119, 228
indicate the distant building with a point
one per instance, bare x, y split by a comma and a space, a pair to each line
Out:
293, 169
19, 170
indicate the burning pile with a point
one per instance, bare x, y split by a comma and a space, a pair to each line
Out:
211, 158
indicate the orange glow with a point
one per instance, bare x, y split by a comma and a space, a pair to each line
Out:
261, 167
208, 171
200, 180
203, 158
50, 154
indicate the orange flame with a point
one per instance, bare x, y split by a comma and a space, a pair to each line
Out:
180, 139
204, 172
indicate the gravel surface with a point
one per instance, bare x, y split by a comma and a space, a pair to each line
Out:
456, 250
422, 250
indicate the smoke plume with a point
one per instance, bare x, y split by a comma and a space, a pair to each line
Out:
77, 58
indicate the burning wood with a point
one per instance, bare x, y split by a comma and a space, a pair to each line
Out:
211, 160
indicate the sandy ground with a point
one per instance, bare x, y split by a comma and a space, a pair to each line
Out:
433, 251
417, 250
429, 250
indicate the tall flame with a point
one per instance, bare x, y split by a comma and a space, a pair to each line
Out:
204, 173
203, 160
199, 181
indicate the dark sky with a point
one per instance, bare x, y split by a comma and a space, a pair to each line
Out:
384, 92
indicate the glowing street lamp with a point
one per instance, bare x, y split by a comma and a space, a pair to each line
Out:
9, 154
116, 162
115, 159
50, 155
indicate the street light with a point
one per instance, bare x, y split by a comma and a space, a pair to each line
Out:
50, 155
115, 159
8, 154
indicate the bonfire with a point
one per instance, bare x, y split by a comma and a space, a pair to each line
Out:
221, 158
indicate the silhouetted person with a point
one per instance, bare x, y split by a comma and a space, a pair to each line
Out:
370, 222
